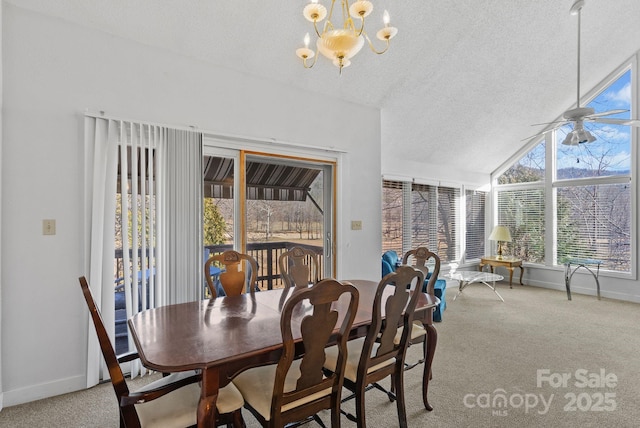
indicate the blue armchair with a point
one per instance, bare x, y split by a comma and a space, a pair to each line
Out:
389, 262
386, 268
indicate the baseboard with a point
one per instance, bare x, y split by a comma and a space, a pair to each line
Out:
589, 291
43, 390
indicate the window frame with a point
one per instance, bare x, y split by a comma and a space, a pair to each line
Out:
551, 184
405, 185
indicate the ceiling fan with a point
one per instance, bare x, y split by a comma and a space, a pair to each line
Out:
579, 115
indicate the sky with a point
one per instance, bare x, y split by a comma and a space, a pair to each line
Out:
613, 142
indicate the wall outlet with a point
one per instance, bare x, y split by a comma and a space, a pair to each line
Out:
356, 224
48, 227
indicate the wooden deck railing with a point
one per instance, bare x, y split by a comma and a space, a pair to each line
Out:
265, 253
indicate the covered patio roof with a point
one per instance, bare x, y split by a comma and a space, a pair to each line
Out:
265, 181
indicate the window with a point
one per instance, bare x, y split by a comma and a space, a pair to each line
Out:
392, 221
529, 169
593, 185
594, 222
522, 211
587, 193
420, 215
475, 219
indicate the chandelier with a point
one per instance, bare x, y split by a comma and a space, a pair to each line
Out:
340, 44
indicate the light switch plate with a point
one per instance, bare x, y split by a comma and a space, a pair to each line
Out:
356, 224
48, 227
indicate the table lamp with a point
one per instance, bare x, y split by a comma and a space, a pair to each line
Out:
500, 234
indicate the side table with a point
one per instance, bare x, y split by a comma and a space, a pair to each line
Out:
509, 263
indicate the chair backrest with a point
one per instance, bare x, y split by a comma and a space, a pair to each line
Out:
299, 267
421, 258
319, 320
391, 257
395, 295
234, 277
127, 413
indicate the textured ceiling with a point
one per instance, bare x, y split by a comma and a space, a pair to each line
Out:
461, 84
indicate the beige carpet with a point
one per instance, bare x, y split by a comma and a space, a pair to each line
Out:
586, 351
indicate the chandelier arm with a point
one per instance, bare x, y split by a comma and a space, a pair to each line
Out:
361, 28
373, 48
315, 58
315, 27
328, 21
345, 10
304, 62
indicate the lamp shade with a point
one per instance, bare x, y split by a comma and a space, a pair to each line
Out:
500, 233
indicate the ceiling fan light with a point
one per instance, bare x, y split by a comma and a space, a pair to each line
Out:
584, 136
570, 140
578, 136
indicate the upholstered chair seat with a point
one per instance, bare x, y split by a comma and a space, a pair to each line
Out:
354, 350
179, 409
257, 386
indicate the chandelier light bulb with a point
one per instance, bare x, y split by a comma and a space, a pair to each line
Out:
385, 18
305, 53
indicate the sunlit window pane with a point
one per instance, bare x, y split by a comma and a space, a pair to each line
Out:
610, 153
595, 222
530, 168
522, 211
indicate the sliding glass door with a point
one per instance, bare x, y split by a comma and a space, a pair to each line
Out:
264, 205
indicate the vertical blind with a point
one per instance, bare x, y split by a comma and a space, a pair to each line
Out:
138, 144
143, 194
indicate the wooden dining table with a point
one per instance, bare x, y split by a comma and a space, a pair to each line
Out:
224, 336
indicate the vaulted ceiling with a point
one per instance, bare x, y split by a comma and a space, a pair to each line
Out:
462, 82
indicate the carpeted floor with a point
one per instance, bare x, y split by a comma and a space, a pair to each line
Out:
535, 360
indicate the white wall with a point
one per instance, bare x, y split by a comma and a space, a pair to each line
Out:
396, 163
611, 286
53, 71
395, 167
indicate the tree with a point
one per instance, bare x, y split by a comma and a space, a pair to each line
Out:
214, 224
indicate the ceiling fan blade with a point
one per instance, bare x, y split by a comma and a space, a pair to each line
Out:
606, 113
537, 135
628, 122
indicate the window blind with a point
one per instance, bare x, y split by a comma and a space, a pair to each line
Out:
447, 224
595, 222
474, 223
392, 220
522, 211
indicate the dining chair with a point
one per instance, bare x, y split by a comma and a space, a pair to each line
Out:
239, 276
168, 402
377, 355
422, 258
296, 387
299, 267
